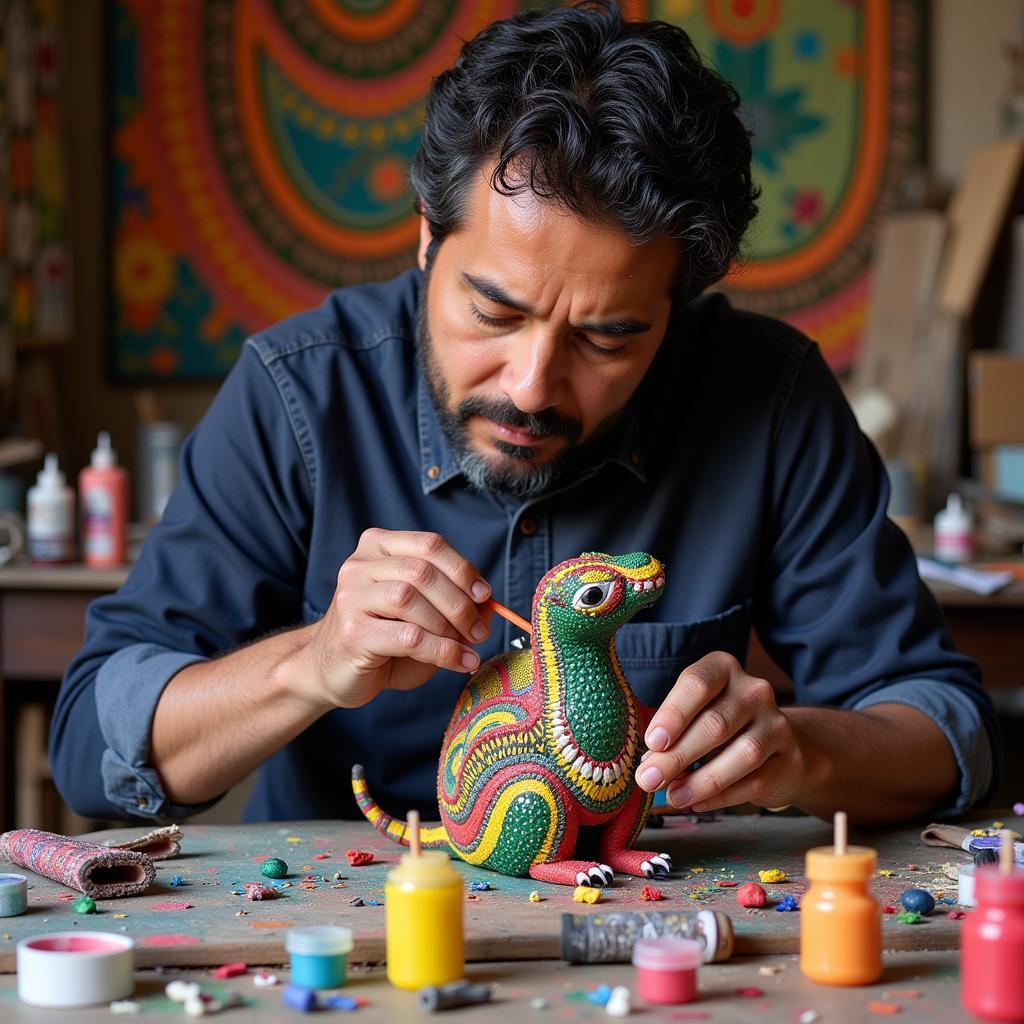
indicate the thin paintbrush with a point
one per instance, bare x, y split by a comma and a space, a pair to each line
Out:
507, 613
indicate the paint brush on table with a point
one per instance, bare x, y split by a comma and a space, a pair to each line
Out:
510, 616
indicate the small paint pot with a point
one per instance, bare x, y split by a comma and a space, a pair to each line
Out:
666, 969
13, 895
965, 885
68, 969
317, 954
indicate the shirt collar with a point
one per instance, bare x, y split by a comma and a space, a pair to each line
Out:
438, 464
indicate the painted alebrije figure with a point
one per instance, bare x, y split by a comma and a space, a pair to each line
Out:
545, 740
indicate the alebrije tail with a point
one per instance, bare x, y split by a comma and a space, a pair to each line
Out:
432, 837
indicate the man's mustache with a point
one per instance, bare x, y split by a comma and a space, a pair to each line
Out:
545, 422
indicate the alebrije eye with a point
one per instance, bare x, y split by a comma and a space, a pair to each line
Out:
592, 595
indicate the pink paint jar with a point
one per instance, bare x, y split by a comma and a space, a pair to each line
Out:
666, 969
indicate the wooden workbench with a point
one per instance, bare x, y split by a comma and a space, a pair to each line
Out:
221, 926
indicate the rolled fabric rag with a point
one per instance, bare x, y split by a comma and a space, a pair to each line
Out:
159, 844
102, 872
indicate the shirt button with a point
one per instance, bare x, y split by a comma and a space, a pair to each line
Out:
527, 526
434, 472
142, 802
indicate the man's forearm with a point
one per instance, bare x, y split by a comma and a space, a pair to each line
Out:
218, 720
886, 763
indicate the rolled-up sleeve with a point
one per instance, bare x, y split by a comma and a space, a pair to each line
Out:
843, 609
223, 567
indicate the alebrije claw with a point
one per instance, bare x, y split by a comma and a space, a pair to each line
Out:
609, 875
596, 876
582, 878
662, 866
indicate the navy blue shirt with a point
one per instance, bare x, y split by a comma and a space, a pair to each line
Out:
738, 463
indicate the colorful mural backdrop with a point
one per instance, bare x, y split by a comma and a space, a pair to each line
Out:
34, 293
260, 150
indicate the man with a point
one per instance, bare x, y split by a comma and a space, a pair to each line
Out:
550, 380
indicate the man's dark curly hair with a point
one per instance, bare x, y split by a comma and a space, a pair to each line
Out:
608, 118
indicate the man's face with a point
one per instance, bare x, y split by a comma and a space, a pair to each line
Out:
536, 329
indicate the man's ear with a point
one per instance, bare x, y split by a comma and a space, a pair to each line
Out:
425, 239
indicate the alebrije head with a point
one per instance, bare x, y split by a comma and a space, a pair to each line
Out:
594, 594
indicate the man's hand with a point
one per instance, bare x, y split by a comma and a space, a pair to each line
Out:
405, 605
729, 720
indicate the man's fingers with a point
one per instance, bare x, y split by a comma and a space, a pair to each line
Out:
766, 787
401, 601
696, 687
430, 547
387, 638
739, 760
449, 600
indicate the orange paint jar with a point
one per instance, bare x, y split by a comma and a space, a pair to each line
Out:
840, 921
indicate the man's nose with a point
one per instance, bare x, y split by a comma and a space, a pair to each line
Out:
534, 376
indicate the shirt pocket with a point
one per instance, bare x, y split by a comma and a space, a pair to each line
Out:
652, 654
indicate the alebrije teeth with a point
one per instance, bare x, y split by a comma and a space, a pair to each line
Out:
562, 741
648, 585
558, 730
587, 770
579, 762
607, 775
569, 752
617, 769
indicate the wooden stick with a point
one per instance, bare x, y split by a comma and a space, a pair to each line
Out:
839, 826
1005, 852
507, 613
412, 823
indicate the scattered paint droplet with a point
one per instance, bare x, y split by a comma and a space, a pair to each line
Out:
886, 872
480, 886
787, 903
535, 896
473, 897
956, 915
233, 970
586, 894
357, 858
908, 917
750, 992
885, 1009
648, 892
84, 905
725, 885
177, 880
772, 876
888, 909
293, 839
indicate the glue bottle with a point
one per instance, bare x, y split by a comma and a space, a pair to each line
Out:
423, 900
103, 486
840, 921
51, 516
953, 527
992, 941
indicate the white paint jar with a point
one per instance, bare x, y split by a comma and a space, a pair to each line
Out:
65, 969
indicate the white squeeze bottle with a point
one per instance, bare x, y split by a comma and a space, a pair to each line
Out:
103, 487
51, 516
953, 531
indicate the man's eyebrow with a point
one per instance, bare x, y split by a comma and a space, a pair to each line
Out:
614, 328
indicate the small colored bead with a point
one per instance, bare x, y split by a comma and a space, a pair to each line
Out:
751, 895
274, 867
917, 900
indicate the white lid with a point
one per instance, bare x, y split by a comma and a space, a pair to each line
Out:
319, 940
50, 476
103, 456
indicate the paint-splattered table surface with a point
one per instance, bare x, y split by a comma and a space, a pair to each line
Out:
920, 986
207, 920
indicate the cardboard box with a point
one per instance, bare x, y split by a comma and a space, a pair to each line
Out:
996, 387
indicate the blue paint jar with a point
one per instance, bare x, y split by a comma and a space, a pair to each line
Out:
318, 954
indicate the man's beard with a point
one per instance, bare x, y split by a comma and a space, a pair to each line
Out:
514, 474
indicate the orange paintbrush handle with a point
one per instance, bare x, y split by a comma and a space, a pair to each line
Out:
507, 613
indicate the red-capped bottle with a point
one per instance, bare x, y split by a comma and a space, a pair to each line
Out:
992, 946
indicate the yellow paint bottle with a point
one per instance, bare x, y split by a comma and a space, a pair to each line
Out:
423, 900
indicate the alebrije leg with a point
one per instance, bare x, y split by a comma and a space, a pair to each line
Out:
622, 831
573, 872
